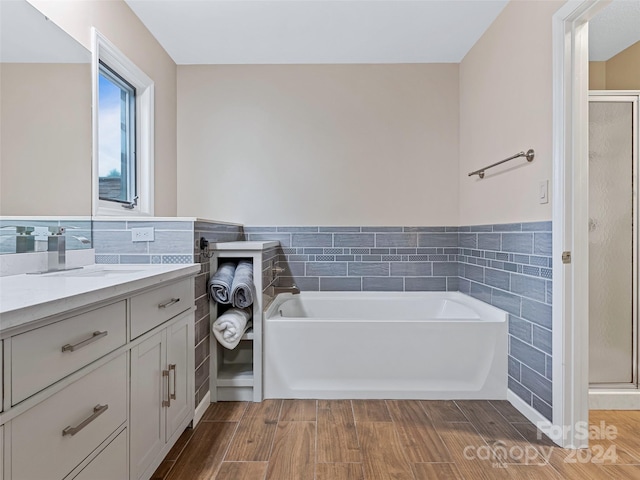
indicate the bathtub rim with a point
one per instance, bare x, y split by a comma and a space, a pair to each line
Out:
487, 312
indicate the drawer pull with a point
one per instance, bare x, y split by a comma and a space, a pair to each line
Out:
169, 303
97, 411
166, 403
95, 336
172, 366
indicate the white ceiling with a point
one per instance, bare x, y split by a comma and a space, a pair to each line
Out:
27, 36
614, 28
316, 31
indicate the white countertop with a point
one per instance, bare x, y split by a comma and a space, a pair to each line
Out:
25, 298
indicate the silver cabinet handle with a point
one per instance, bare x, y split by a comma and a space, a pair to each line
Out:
169, 303
97, 411
172, 396
95, 336
167, 402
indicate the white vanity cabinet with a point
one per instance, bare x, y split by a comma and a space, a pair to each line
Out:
162, 379
101, 391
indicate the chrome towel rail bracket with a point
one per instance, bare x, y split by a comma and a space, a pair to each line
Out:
529, 155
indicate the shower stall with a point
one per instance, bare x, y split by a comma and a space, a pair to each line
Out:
613, 250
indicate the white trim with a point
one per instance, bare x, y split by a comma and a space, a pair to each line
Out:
201, 409
103, 49
534, 416
570, 219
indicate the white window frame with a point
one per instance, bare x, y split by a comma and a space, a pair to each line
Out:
103, 50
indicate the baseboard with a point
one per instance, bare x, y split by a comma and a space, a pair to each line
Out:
535, 417
201, 408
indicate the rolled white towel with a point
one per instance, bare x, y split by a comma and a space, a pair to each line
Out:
229, 327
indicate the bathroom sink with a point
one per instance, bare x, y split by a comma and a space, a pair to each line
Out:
93, 272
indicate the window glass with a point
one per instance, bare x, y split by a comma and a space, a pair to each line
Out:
116, 138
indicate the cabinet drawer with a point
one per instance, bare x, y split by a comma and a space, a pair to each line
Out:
110, 464
43, 356
150, 309
42, 444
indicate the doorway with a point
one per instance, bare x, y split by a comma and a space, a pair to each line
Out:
572, 395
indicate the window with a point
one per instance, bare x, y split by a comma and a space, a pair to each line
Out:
116, 139
122, 134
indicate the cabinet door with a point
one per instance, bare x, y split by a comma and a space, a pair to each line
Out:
180, 363
148, 389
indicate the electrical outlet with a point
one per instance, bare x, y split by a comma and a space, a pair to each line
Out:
142, 234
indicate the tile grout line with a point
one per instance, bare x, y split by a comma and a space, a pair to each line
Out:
480, 437
226, 450
315, 450
273, 441
397, 437
513, 428
437, 431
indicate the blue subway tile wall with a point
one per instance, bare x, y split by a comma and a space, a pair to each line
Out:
511, 269
506, 265
173, 242
365, 258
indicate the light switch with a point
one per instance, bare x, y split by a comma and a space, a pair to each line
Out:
543, 191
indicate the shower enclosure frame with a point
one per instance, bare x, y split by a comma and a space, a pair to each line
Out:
633, 97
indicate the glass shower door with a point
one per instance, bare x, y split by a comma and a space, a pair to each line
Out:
612, 257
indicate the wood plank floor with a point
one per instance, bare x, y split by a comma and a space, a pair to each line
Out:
394, 440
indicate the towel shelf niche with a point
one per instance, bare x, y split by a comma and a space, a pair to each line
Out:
236, 375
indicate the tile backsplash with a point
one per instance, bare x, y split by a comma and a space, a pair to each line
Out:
173, 242
365, 258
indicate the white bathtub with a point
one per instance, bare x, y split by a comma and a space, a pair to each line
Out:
384, 345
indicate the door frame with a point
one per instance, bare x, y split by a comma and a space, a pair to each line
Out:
570, 322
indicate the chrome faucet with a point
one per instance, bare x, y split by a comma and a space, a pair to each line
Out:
56, 249
291, 289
